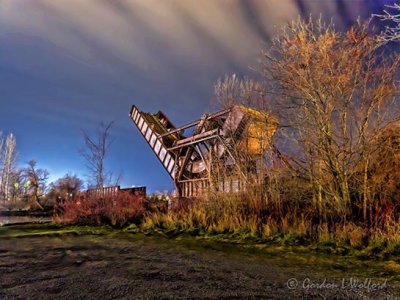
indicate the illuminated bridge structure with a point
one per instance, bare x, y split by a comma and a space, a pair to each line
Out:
189, 153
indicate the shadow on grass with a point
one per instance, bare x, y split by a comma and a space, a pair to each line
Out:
321, 258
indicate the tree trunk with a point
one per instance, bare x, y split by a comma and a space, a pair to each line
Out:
365, 191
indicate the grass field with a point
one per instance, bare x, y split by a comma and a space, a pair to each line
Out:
47, 261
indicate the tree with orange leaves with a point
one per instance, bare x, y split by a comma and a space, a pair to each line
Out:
334, 92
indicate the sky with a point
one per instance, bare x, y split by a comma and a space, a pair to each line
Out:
67, 65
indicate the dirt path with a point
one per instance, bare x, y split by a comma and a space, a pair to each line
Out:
139, 267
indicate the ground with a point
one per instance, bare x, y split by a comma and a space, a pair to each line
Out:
135, 266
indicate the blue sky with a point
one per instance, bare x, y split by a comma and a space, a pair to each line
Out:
70, 64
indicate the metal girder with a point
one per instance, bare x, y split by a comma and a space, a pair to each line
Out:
188, 159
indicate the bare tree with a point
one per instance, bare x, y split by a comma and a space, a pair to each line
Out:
8, 160
1, 141
17, 188
1, 163
65, 187
391, 15
94, 153
254, 153
335, 92
232, 90
36, 181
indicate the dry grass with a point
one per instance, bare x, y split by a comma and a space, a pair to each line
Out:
289, 221
240, 217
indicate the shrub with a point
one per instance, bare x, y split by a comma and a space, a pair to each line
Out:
117, 211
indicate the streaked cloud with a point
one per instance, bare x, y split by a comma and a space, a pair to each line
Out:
67, 64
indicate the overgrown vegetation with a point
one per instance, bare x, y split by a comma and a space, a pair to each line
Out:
328, 177
119, 210
21, 188
330, 173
